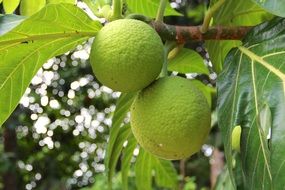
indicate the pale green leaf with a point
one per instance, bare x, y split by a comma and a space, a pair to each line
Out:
233, 13
122, 136
10, 5
165, 173
254, 76
188, 61
143, 171
122, 108
126, 160
8, 22
276, 7
149, 8
54, 30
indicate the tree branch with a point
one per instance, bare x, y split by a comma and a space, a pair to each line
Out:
182, 34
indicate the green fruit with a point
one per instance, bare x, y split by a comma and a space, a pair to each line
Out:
127, 55
236, 138
10, 5
171, 118
61, 1
30, 7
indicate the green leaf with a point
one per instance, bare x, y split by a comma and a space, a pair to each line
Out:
54, 30
224, 181
122, 108
143, 171
233, 13
30, 7
126, 160
188, 61
8, 22
275, 7
149, 8
122, 136
10, 5
165, 173
254, 76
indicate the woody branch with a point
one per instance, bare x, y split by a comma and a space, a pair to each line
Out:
182, 34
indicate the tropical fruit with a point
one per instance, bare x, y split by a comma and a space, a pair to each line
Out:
236, 133
10, 5
30, 7
171, 118
127, 55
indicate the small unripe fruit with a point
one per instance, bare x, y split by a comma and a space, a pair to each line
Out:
236, 133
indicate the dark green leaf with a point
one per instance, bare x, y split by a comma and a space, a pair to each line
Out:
254, 75
149, 7
188, 61
275, 7
233, 13
143, 171
54, 30
126, 160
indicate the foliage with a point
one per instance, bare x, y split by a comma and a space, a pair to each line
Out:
51, 153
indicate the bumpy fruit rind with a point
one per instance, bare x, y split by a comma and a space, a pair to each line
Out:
171, 118
127, 55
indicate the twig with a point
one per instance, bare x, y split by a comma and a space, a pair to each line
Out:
209, 15
182, 34
160, 11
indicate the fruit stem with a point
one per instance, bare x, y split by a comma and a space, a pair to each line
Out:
209, 14
169, 45
117, 9
160, 11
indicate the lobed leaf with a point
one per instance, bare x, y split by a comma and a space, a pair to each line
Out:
54, 30
233, 13
251, 86
275, 7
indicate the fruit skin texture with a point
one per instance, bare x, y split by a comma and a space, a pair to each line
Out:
30, 7
171, 118
127, 55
